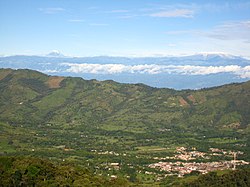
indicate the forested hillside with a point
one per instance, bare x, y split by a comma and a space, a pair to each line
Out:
37, 172
97, 124
29, 97
233, 178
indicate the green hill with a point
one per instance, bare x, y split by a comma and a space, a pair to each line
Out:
92, 122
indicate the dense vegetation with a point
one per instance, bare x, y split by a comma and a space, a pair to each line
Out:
30, 171
95, 123
21, 171
234, 178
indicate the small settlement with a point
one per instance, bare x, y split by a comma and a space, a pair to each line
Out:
182, 166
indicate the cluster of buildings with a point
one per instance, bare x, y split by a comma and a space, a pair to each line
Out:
108, 153
183, 167
184, 161
182, 153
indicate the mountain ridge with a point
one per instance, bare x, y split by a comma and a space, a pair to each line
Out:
58, 53
39, 84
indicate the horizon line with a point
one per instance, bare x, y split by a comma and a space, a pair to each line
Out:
61, 55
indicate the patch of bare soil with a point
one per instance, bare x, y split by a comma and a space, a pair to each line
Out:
54, 81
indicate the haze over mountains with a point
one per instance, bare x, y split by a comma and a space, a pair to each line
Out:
178, 72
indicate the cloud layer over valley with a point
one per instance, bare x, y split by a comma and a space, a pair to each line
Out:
242, 72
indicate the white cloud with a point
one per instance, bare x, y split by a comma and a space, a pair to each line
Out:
96, 68
182, 32
225, 6
239, 30
93, 8
129, 16
242, 72
118, 11
49, 71
231, 37
52, 10
203, 70
76, 20
171, 45
184, 13
98, 24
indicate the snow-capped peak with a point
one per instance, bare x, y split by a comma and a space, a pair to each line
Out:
217, 54
55, 53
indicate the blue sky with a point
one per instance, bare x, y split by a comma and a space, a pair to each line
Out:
124, 27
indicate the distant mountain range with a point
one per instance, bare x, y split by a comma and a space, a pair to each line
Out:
182, 72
